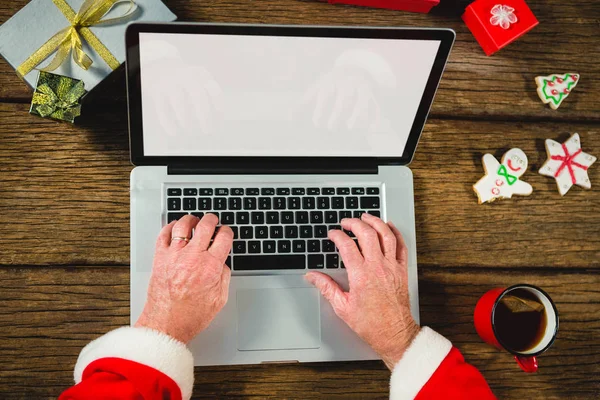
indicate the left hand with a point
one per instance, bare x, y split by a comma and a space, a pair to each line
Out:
190, 281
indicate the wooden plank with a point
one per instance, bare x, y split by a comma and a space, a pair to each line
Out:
474, 85
64, 195
48, 314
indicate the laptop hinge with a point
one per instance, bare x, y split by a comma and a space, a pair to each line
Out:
351, 166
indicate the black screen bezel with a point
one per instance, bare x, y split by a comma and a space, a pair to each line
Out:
134, 98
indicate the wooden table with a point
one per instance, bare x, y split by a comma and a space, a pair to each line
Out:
64, 207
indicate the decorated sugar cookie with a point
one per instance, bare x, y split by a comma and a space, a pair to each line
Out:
501, 180
553, 89
567, 164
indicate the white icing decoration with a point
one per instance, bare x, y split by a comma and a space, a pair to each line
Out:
558, 82
503, 16
495, 185
564, 180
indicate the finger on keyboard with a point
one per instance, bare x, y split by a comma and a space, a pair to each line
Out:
346, 247
367, 237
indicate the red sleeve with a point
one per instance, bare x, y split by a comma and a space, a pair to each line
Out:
133, 363
119, 379
455, 379
431, 368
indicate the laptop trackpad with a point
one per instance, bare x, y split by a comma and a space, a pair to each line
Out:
277, 319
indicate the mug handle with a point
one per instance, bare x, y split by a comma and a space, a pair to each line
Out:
527, 364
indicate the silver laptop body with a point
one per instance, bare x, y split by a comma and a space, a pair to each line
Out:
281, 131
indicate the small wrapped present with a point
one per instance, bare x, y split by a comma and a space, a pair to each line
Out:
45, 33
496, 23
422, 6
57, 97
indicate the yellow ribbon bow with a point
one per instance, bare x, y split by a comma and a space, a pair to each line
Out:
62, 104
69, 38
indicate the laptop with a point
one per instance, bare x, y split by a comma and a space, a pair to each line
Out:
281, 131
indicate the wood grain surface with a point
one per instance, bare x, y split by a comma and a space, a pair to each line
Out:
501, 86
48, 314
64, 208
65, 196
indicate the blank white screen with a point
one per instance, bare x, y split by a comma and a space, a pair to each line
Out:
232, 95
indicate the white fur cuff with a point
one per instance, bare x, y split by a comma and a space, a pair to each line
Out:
145, 346
419, 362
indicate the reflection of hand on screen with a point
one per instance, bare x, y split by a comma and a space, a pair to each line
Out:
339, 97
187, 99
180, 98
347, 93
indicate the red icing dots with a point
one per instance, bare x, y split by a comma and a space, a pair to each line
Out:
550, 83
554, 91
566, 91
559, 80
574, 77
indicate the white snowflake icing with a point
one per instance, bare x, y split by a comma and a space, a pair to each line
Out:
503, 16
567, 164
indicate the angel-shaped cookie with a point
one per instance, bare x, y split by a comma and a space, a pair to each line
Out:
567, 164
501, 180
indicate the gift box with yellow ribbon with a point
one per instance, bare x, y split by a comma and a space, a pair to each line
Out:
80, 39
57, 97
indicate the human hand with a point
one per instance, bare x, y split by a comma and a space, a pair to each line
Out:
377, 306
190, 281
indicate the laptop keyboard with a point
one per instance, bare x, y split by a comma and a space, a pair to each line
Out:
283, 228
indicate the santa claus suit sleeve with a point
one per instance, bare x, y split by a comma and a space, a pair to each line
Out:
138, 363
431, 368
133, 363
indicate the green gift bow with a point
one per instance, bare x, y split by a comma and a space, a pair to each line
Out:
502, 171
62, 104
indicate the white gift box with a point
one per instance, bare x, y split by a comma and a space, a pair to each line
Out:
26, 31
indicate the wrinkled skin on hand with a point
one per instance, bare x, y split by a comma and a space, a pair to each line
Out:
377, 306
190, 281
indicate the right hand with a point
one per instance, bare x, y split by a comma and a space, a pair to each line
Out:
377, 306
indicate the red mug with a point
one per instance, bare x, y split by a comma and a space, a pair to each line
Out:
498, 327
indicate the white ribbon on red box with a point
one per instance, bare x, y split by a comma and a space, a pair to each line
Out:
503, 15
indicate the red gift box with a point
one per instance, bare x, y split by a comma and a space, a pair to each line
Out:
496, 23
422, 6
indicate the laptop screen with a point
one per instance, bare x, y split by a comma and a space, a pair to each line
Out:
280, 96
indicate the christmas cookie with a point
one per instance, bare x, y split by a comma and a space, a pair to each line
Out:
553, 89
501, 180
567, 164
